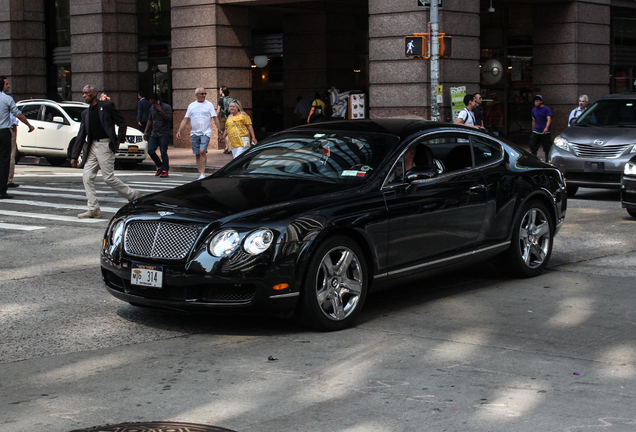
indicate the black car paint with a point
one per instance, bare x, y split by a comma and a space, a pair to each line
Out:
303, 213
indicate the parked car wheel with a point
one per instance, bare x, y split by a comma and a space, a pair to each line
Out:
532, 240
572, 190
631, 212
335, 285
56, 161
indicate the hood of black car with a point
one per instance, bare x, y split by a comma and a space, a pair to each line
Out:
216, 198
610, 135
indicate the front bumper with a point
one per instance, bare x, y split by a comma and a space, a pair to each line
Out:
132, 152
201, 285
589, 172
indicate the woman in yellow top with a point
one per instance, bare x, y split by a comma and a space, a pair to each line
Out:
238, 127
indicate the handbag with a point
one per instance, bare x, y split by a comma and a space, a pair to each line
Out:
246, 141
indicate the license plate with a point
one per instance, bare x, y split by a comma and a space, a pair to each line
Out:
594, 167
146, 275
133, 149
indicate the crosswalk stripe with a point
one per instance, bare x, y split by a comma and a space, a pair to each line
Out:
20, 227
102, 191
69, 196
49, 216
60, 206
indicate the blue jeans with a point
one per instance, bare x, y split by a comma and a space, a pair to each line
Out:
160, 141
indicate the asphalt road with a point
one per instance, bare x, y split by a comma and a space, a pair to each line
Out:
468, 351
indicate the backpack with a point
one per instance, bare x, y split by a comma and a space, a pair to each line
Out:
225, 109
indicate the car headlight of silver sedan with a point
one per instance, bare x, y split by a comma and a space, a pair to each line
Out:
630, 169
562, 143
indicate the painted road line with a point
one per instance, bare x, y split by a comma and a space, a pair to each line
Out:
68, 196
60, 206
105, 191
50, 217
20, 227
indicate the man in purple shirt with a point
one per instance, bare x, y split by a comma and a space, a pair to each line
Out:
541, 121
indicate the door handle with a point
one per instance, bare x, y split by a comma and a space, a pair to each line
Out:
40, 127
477, 187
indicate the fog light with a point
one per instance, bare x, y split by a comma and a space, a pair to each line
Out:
280, 287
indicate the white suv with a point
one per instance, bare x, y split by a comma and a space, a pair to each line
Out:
56, 126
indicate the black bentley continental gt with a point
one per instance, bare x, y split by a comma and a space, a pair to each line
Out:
313, 218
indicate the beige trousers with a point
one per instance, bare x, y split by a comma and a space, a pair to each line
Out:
101, 157
14, 150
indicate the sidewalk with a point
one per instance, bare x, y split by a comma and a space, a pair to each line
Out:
183, 160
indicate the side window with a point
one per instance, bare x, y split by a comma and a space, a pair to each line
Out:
397, 173
486, 151
452, 152
30, 111
49, 112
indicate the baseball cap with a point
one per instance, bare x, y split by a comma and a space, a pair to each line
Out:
538, 97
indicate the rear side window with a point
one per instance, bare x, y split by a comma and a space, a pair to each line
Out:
30, 111
486, 151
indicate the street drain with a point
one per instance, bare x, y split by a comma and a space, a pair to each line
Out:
155, 427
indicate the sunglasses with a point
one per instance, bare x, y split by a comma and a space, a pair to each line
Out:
202, 94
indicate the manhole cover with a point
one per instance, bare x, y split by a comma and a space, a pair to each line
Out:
155, 427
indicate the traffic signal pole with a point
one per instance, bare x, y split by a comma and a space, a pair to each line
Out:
433, 31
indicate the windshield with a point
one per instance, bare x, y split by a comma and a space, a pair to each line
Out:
75, 113
611, 112
338, 157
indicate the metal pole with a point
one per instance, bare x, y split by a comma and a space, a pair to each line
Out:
434, 43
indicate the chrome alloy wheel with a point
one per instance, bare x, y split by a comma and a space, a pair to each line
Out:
534, 237
339, 283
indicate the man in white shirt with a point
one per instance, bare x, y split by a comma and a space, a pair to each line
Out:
200, 114
466, 116
576, 112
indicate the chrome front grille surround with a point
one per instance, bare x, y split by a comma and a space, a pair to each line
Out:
595, 151
153, 239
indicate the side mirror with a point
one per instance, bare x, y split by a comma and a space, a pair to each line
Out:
421, 173
58, 119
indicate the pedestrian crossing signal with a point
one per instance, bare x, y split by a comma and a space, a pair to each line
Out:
415, 46
445, 46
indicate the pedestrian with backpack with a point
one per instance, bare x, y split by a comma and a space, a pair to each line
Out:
223, 112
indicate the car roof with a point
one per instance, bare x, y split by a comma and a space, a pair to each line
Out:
626, 95
52, 102
394, 126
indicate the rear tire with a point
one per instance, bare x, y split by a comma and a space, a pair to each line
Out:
632, 212
532, 239
335, 285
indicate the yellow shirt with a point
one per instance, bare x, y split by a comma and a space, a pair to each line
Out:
236, 127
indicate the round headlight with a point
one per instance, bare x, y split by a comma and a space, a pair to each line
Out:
258, 241
224, 243
630, 169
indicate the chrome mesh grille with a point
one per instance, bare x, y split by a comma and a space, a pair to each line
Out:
594, 151
159, 239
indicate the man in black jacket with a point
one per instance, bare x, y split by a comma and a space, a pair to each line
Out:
97, 138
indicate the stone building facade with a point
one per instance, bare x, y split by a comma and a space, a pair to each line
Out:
559, 49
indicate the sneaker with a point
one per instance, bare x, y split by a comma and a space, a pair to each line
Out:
91, 214
201, 176
159, 171
164, 174
136, 194
13, 185
226, 151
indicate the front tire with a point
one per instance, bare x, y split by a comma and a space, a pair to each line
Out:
532, 239
335, 285
632, 212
